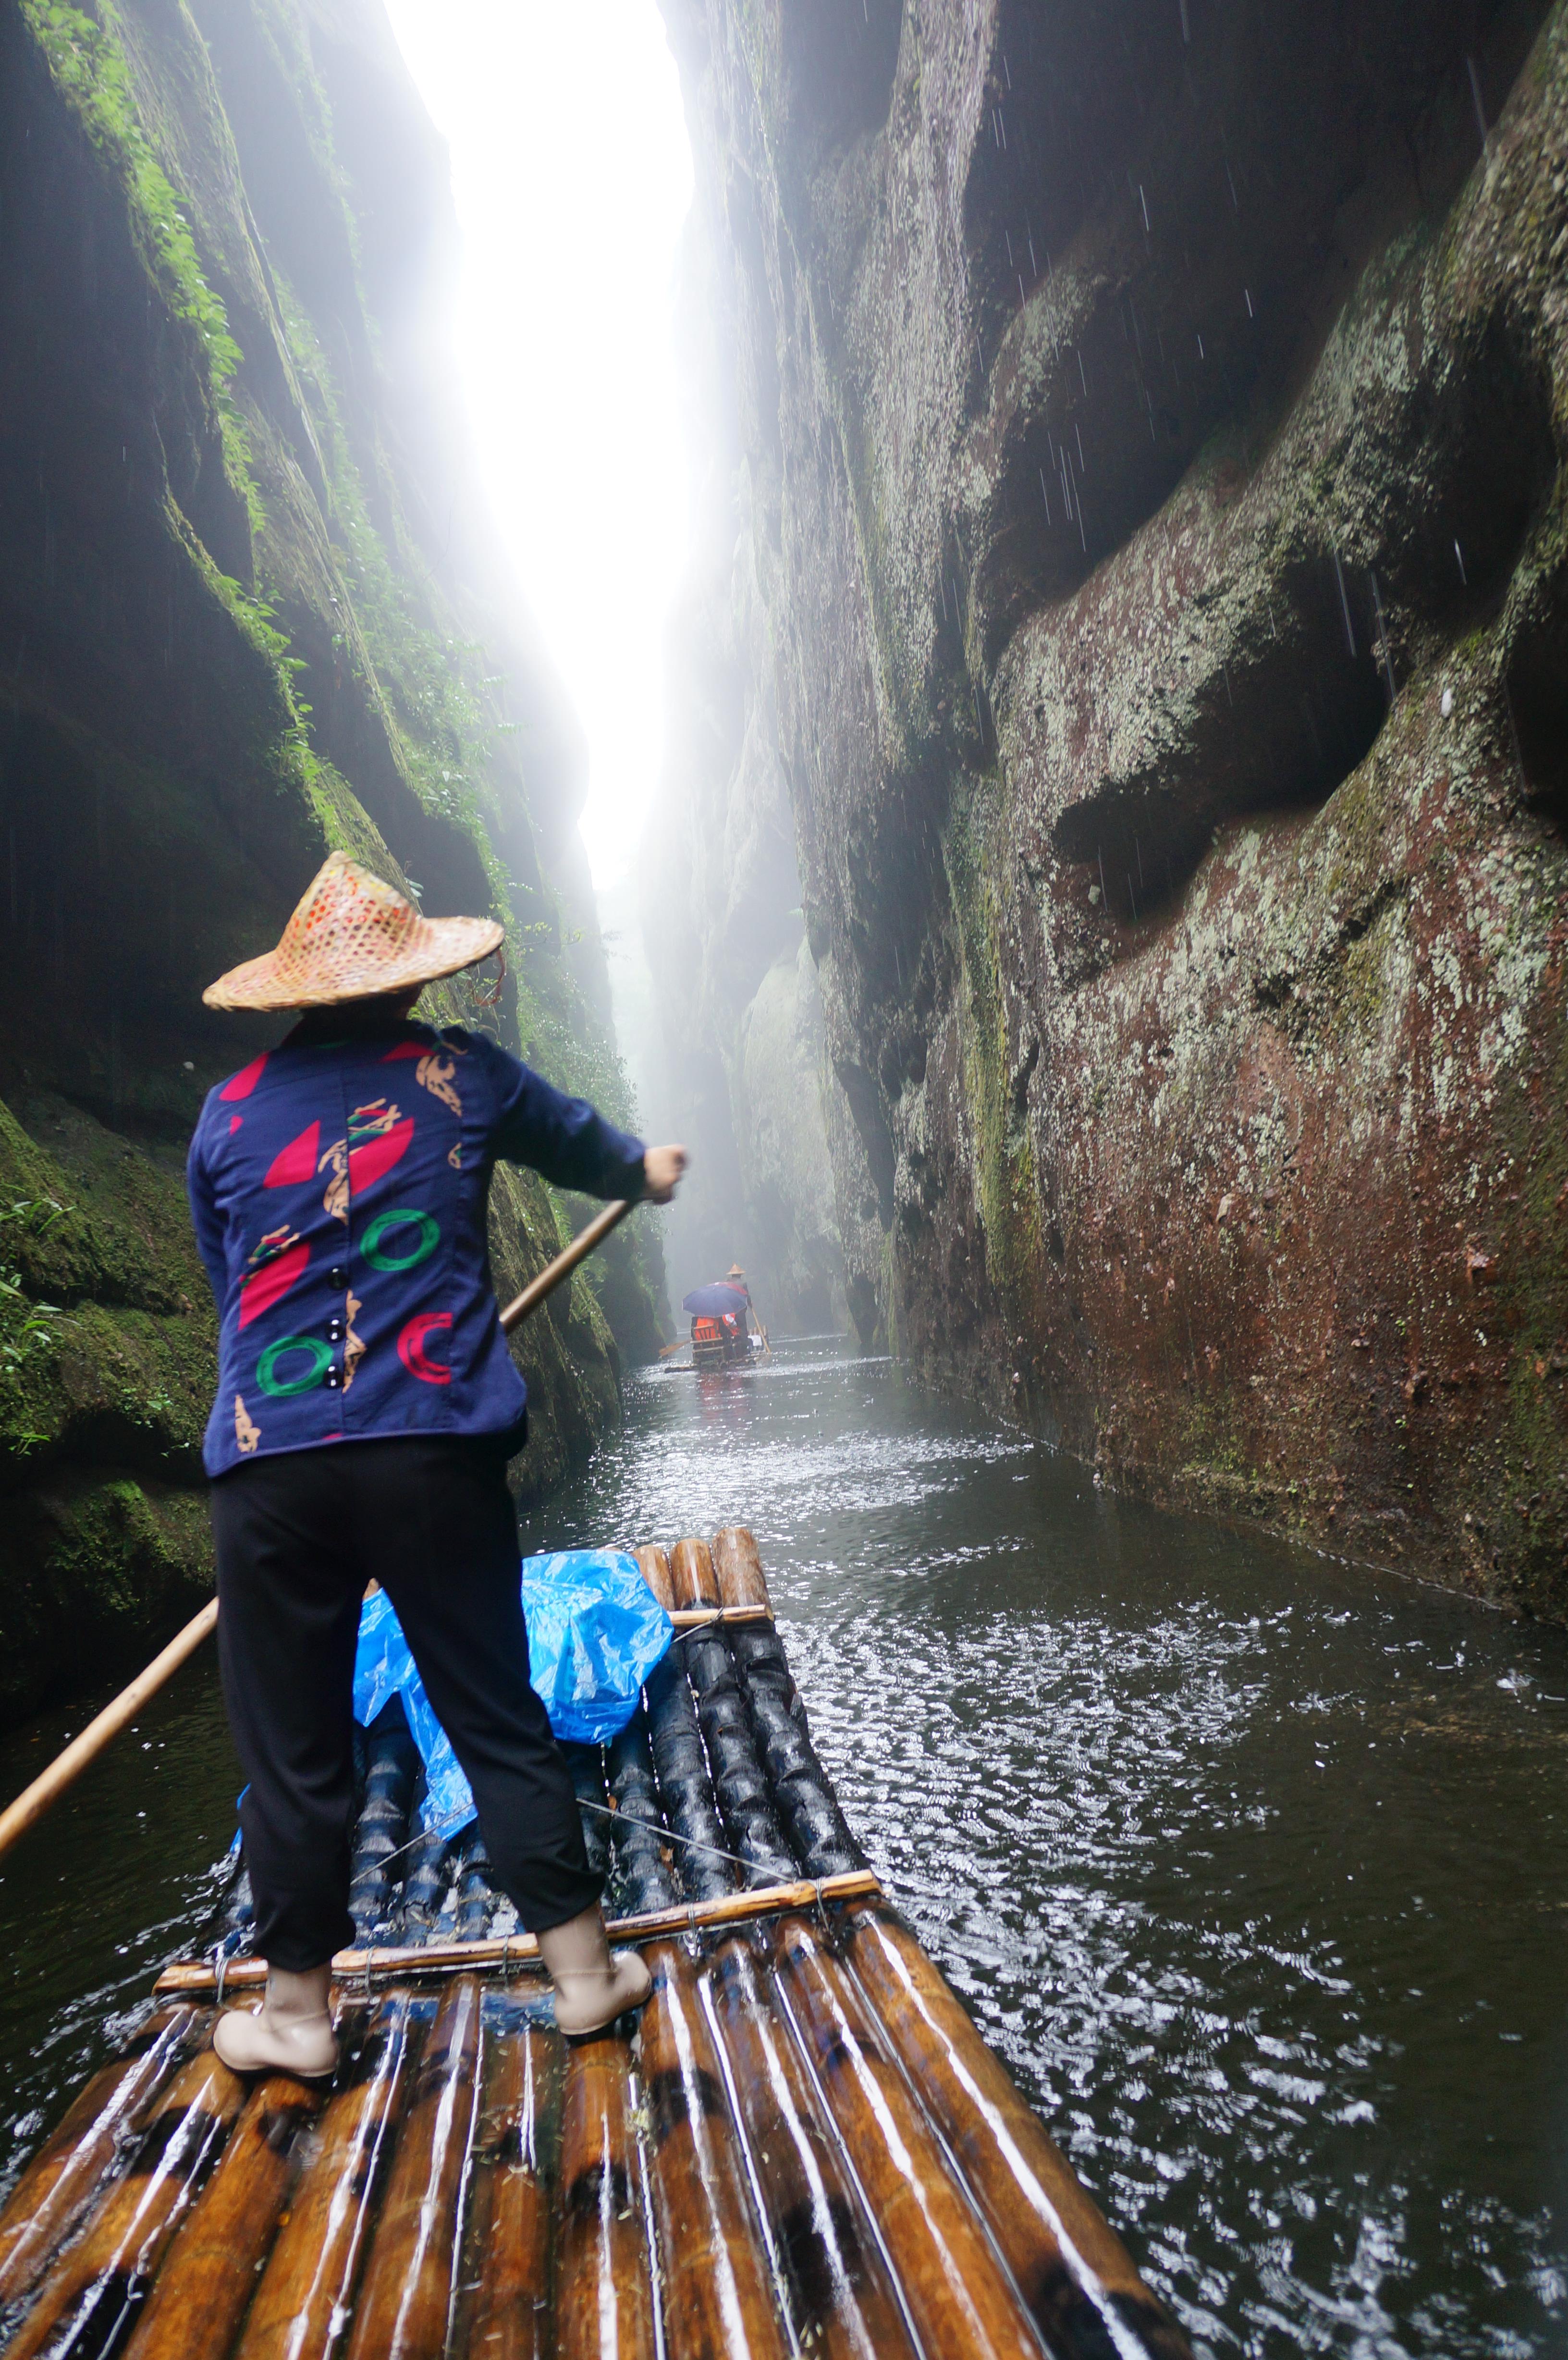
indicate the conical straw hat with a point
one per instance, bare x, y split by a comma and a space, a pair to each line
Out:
352, 937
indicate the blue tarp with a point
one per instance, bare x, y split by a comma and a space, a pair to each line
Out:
596, 1632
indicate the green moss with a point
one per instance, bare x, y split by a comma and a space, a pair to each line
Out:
87, 62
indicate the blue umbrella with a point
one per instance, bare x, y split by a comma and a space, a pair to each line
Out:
713, 1302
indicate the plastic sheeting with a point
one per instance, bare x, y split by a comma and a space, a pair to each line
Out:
596, 1632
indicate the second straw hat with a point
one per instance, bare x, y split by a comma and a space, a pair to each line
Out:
352, 937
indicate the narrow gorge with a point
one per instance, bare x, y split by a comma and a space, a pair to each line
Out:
251, 607
1122, 738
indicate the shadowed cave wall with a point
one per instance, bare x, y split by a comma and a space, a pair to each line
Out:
249, 609
1152, 420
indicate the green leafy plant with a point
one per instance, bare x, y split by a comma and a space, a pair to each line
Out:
25, 1326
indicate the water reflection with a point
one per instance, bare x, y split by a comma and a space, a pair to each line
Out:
1251, 1864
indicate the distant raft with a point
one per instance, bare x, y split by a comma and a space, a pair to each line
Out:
804, 2149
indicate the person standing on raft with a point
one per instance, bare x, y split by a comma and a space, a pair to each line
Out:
338, 1186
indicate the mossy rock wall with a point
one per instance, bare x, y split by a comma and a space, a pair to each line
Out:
1155, 425
249, 609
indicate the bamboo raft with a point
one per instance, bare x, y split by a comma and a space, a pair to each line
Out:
804, 2148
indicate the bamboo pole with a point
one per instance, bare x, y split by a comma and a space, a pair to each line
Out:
405, 2299
1070, 2265
841, 2299
691, 1571
693, 1618
603, 2303
57, 2184
66, 1767
308, 2286
522, 1949
503, 2307
83, 2302
551, 1277
954, 2287
199, 2296
63, 1771
719, 2293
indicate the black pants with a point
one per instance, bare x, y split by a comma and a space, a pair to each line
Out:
298, 1536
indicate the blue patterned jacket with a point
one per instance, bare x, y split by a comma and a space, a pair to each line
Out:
338, 1189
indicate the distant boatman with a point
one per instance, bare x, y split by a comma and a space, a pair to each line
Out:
338, 1186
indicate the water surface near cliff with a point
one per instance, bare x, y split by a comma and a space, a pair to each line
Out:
1250, 1863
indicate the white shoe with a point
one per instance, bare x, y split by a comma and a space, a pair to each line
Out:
290, 2032
591, 1986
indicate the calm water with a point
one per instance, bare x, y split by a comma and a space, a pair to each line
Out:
1251, 1864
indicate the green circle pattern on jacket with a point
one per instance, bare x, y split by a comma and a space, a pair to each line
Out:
424, 1244
283, 1388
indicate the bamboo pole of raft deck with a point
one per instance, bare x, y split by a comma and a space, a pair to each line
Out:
68, 1767
954, 2287
503, 2305
1067, 2261
405, 2299
605, 2300
719, 2289
199, 2298
58, 2183
83, 2300
522, 1949
842, 2301
691, 1571
307, 2284
743, 1586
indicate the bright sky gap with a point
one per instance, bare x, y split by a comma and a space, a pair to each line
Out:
572, 178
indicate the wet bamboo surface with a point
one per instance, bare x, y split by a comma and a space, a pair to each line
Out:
802, 2148
58, 2183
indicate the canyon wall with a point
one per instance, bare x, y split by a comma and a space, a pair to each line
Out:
249, 609
1153, 420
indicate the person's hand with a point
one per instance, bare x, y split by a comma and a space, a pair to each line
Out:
662, 1170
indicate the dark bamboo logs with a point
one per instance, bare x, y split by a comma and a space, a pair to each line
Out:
404, 2301
504, 2311
841, 2299
720, 2297
307, 2284
954, 2290
1073, 2271
81, 2305
522, 1950
691, 1571
685, 1787
201, 2294
603, 2303
655, 1567
751, 1824
739, 1568
94, 2131
644, 1879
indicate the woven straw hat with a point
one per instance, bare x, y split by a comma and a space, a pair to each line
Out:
350, 938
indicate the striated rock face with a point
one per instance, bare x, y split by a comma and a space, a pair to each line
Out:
1155, 420
248, 610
